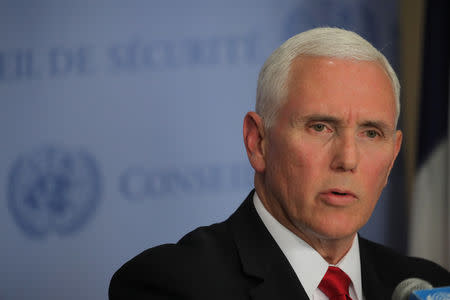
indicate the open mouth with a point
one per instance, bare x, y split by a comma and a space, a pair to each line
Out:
339, 194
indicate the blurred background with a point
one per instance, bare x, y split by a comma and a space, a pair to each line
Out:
121, 121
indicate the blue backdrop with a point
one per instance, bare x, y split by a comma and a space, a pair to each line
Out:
121, 126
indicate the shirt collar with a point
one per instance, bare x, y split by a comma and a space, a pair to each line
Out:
307, 263
351, 264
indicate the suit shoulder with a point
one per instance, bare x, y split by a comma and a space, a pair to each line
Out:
172, 269
197, 245
395, 267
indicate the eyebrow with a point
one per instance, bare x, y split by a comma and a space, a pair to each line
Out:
298, 120
295, 119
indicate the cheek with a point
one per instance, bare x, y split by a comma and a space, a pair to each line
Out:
378, 169
304, 154
310, 163
290, 165
299, 172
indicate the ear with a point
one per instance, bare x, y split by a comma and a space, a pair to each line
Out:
254, 135
398, 144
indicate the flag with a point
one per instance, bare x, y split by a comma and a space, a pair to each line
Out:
430, 208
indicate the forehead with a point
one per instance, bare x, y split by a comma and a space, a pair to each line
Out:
342, 88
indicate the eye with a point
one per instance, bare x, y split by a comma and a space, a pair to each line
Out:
318, 127
372, 134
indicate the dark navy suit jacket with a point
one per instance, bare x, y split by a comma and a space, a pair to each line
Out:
239, 259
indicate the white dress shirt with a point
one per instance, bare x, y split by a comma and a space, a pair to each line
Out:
307, 263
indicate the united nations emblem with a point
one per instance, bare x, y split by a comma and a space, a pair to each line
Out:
53, 190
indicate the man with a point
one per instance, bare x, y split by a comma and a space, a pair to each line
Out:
322, 142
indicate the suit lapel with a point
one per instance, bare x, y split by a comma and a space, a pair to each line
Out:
373, 288
279, 283
262, 258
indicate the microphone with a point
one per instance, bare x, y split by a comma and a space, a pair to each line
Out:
405, 288
419, 289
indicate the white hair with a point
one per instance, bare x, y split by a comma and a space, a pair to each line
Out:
272, 87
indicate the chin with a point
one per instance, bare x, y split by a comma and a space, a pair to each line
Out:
335, 231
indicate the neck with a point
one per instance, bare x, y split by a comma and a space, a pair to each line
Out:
332, 250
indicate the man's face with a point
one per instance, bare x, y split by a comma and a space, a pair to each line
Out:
329, 153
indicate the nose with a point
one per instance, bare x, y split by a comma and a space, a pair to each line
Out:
345, 153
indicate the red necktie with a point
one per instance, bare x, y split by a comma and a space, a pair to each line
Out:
335, 284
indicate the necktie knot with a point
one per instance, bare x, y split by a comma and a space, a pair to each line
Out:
335, 284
